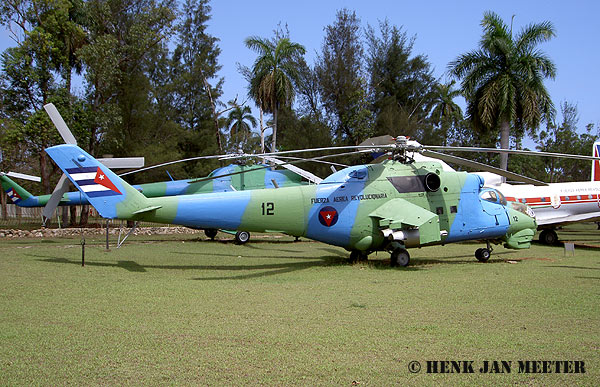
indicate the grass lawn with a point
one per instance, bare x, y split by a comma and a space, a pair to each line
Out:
180, 310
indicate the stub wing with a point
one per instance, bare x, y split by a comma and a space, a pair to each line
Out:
406, 222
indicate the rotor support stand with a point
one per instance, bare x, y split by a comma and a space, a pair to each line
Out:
120, 242
107, 247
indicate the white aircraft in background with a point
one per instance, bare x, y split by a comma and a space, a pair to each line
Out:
555, 204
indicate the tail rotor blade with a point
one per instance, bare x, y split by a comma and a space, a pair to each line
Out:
24, 176
57, 194
60, 124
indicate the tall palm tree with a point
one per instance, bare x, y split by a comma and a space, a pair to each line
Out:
503, 80
273, 75
240, 122
445, 111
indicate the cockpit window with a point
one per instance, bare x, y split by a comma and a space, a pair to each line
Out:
501, 198
491, 195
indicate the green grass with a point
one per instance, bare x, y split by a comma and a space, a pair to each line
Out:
179, 310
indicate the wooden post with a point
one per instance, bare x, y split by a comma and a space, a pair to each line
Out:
4, 210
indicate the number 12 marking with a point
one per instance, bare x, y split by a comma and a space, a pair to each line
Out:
268, 208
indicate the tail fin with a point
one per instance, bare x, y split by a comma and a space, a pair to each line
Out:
110, 195
17, 194
596, 163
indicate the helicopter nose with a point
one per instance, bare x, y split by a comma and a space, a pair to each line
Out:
521, 230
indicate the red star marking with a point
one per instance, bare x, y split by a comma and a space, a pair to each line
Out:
104, 181
328, 217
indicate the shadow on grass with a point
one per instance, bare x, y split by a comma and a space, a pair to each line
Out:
127, 265
334, 258
575, 267
272, 269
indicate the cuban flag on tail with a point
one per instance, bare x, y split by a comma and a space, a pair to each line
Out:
108, 193
596, 163
13, 196
93, 181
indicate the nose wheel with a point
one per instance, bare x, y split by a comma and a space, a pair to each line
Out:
399, 257
483, 254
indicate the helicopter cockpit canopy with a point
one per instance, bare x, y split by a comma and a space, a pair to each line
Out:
492, 195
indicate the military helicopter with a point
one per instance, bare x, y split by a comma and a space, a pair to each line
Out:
249, 177
393, 205
237, 176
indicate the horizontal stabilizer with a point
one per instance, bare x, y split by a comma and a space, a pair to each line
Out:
147, 209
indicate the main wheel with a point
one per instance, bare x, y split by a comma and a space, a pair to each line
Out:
399, 257
242, 237
211, 233
482, 255
548, 237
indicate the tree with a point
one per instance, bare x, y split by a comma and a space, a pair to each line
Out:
240, 122
401, 85
342, 81
274, 74
195, 67
124, 38
38, 70
446, 113
564, 138
502, 81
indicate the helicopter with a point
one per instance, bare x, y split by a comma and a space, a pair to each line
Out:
236, 176
253, 176
393, 205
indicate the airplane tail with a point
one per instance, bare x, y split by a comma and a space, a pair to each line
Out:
17, 194
596, 163
110, 195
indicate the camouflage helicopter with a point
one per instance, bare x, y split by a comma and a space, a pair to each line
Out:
233, 177
237, 176
393, 205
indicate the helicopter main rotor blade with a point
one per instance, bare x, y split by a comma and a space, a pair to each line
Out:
289, 162
245, 155
509, 151
316, 161
380, 140
299, 171
480, 166
57, 194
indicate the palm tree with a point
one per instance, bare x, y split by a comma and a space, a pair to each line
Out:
240, 121
273, 75
503, 80
445, 111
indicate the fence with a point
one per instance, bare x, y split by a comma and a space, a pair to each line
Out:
31, 218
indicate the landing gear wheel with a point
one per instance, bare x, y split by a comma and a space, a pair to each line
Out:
483, 254
399, 257
358, 256
242, 237
548, 237
211, 233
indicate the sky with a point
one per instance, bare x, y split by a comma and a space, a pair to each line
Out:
443, 30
